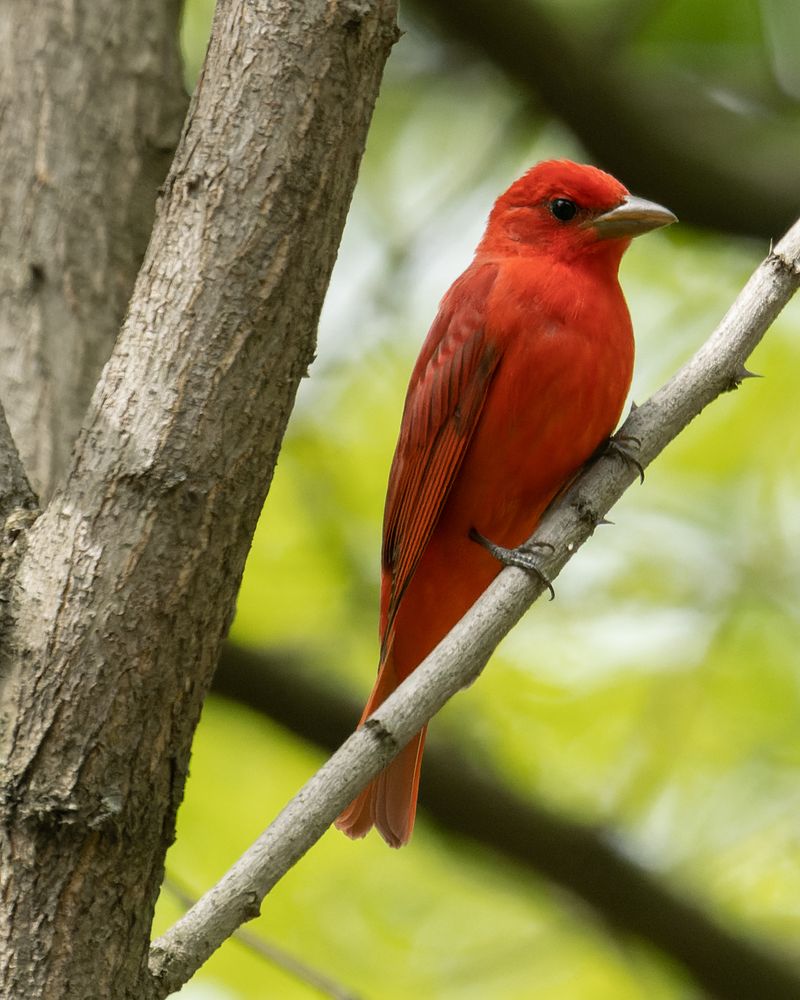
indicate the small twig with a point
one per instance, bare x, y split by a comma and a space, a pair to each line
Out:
284, 960
462, 654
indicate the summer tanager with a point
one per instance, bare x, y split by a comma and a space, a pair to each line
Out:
522, 376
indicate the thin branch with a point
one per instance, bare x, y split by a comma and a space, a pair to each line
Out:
460, 657
290, 964
473, 802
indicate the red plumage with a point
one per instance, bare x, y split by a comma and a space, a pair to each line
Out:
523, 374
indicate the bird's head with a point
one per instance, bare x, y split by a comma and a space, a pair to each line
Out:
566, 209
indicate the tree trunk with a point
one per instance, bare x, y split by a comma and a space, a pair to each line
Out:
126, 583
91, 103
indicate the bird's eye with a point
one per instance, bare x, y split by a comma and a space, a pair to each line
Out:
563, 209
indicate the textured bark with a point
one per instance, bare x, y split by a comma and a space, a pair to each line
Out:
127, 581
91, 103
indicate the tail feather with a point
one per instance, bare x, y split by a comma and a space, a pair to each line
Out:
357, 819
395, 803
389, 802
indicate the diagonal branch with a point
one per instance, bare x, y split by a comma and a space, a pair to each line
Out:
317, 981
473, 802
718, 366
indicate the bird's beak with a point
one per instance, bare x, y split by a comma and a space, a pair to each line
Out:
632, 217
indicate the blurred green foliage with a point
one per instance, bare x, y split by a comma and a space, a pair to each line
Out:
659, 694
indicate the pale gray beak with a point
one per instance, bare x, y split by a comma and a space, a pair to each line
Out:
631, 218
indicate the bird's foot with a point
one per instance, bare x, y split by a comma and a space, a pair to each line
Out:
522, 557
627, 447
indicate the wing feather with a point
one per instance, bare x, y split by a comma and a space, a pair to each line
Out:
445, 397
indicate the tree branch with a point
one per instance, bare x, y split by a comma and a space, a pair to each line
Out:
319, 982
475, 803
718, 366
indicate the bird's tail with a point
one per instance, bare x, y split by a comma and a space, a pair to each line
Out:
389, 802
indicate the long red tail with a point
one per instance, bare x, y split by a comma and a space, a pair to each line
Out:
389, 802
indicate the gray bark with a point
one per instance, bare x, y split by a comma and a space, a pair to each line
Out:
126, 583
91, 103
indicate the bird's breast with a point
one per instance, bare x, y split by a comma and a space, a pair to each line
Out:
558, 392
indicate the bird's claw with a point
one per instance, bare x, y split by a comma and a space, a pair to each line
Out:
521, 557
626, 447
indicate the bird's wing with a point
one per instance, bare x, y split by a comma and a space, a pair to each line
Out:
445, 397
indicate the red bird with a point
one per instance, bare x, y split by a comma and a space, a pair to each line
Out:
522, 376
